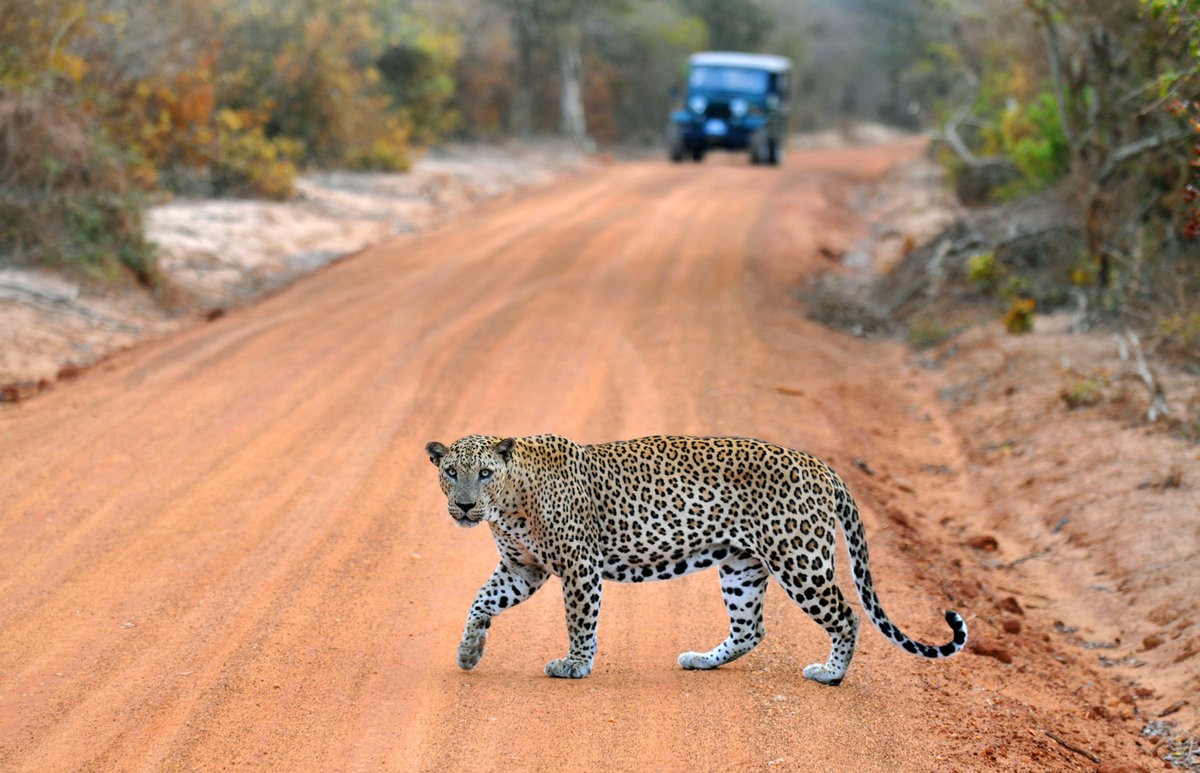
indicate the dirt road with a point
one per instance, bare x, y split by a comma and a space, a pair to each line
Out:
227, 550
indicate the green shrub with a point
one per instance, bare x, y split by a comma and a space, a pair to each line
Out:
388, 151
1084, 392
244, 162
67, 201
1033, 138
984, 272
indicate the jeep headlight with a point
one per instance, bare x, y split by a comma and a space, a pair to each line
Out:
739, 107
697, 103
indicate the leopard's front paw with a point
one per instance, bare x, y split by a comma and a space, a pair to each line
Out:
470, 649
569, 668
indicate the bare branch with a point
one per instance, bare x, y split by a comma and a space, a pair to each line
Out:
1137, 147
954, 140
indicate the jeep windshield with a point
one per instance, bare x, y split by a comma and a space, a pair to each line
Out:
737, 79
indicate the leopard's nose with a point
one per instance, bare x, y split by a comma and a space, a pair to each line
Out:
465, 506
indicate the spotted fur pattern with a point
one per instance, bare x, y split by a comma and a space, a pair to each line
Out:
658, 508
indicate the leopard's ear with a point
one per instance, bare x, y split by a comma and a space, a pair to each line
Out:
436, 451
505, 449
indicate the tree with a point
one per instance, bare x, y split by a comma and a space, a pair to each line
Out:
556, 25
417, 63
1100, 103
1097, 57
733, 25
1180, 90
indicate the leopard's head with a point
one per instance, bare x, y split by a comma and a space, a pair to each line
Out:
473, 473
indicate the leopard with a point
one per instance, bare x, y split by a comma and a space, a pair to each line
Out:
658, 508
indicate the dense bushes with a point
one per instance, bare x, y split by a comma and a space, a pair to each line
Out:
67, 197
104, 103
1099, 104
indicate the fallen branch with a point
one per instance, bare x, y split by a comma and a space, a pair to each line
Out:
1071, 747
1158, 398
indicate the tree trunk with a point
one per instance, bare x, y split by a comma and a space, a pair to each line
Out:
524, 35
573, 123
1055, 57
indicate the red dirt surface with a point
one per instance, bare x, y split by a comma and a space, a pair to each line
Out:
228, 549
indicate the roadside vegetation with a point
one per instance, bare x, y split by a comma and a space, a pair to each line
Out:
105, 104
1096, 112
1090, 109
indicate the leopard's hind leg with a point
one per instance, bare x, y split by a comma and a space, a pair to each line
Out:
830, 609
743, 585
815, 591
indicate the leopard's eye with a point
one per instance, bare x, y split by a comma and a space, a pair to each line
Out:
451, 473
485, 473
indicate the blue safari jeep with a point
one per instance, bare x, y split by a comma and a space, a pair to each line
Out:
734, 101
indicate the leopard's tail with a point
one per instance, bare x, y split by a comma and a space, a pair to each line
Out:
860, 564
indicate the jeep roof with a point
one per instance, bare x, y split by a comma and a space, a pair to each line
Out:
733, 59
